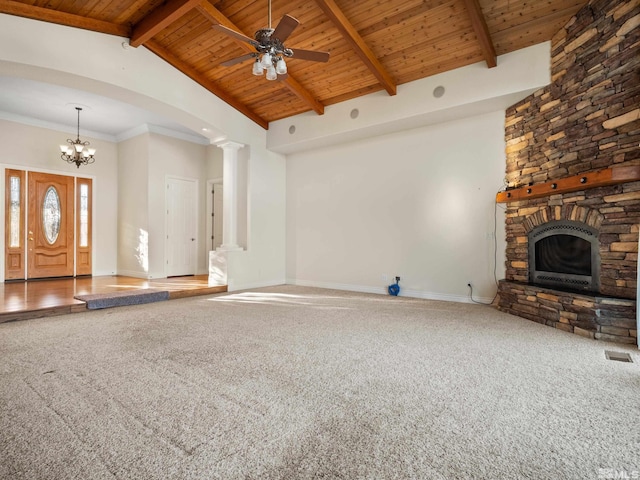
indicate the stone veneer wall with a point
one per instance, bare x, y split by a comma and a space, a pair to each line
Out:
587, 119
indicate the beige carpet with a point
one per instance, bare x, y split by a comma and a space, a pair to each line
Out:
301, 383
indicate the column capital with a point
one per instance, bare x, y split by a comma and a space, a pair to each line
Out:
228, 145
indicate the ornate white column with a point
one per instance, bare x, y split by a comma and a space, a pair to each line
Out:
230, 195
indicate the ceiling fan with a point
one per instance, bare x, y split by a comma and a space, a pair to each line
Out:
270, 50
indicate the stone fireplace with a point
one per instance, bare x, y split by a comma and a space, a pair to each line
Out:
573, 171
588, 285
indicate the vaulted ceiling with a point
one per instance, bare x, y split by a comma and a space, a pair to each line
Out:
374, 45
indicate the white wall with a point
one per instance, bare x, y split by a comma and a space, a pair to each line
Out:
35, 148
418, 204
133, 207
214, 162
383, 186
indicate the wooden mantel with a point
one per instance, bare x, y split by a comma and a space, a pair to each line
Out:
598, 178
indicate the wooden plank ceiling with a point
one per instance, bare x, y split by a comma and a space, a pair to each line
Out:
373, 44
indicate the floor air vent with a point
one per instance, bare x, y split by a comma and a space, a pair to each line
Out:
618, 356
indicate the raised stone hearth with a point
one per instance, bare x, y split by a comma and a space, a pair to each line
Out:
597, 317
586, 121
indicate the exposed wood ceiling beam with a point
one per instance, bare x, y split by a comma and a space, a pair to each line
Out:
216, 17
202, 80
70, 20
159, 19
482, 32
304, 95
360, 47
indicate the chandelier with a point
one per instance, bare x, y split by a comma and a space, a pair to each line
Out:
76, 152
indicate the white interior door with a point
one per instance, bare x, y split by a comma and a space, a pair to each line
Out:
181, 227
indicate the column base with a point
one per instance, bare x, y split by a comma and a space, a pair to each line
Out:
229, 248
222, 265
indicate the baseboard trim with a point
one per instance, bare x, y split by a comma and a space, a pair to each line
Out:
383, 291
133, 273
234, 287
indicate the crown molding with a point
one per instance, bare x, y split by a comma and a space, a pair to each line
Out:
59, 127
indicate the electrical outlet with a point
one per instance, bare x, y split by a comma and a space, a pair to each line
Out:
469, 284
397, 279
385, 277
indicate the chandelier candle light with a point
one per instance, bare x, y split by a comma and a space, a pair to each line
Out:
76, 152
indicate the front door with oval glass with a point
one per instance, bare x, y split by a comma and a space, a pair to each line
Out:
50, 225
57, 239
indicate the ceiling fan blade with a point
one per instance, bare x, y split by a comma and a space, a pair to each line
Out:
287, 25
234, 61
310, 55
234, 34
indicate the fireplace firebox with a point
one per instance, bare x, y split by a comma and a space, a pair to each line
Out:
565, 254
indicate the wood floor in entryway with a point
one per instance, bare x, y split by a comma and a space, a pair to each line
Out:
41, 298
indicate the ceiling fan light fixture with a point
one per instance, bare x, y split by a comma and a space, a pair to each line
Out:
270, 51
271, 73
257, 68
281, 66
267, 60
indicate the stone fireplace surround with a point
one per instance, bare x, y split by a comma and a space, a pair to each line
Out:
586, 120
609, 314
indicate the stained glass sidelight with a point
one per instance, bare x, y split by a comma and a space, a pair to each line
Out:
51, 215
14, 212
84, 215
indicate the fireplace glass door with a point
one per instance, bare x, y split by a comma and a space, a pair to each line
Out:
564, 255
